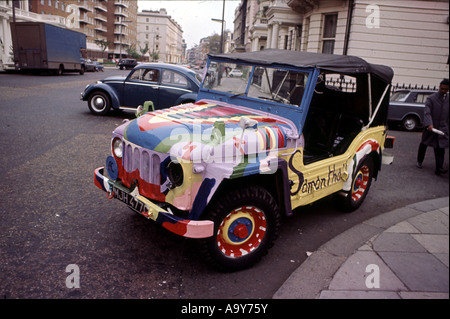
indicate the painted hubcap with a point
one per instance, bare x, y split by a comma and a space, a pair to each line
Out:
241, 231
360, 184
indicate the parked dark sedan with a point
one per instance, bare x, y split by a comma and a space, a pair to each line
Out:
407, 107
127, 64
93, 66
164, 84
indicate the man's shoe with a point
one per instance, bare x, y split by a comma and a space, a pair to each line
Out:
441, 171
419, 165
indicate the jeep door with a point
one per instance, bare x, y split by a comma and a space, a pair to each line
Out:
140, 86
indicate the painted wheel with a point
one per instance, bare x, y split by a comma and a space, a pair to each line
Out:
99, 103
360, 186
241, 231
360, 183
246, 224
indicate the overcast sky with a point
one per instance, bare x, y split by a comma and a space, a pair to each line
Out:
194, 17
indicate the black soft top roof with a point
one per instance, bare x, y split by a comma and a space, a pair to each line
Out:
328, 62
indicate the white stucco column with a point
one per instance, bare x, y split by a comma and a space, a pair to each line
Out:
274, 40
269, 36
255, 44
5, 35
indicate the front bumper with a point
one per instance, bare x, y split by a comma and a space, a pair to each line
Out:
83, 94
142, 205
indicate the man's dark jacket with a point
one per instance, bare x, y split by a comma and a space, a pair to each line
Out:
436, 114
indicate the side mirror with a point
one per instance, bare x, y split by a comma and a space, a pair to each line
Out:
246, 123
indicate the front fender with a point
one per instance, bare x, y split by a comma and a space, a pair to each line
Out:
415, 114
186, 97
115, 103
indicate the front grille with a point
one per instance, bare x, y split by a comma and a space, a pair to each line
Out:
142, 166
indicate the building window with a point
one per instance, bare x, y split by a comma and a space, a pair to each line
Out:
329, 33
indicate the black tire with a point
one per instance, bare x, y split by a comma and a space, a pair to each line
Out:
99, 103
246, 224
360, 187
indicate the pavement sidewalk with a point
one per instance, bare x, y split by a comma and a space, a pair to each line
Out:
402, 254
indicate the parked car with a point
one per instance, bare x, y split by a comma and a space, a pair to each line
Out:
93, 66
127, 64
407, 106
163, 84
226, 168
235, 72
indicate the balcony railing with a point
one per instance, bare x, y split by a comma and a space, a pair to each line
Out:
31, 16
123, 3
100, 6
121, 30
100, 17
86, 6
121, 12
100, 27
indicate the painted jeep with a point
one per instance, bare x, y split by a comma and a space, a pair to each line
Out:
253, 147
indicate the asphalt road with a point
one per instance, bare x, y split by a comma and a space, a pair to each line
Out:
52, 215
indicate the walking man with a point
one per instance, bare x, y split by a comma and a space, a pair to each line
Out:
435, 118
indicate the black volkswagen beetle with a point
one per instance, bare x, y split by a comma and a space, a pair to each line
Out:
163, 84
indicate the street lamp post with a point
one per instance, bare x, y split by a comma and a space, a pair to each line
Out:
222, 21
222, 34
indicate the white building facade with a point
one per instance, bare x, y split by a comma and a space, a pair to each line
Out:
412, 37
162, 35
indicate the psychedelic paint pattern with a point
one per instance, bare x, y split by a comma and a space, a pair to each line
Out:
253, 147
207, 141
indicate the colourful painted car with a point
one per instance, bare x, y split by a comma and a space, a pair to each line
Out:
225, 168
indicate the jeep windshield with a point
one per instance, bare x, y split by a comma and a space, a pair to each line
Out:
278, 85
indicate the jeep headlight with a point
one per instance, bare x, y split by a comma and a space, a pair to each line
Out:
117, 147
175, 174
